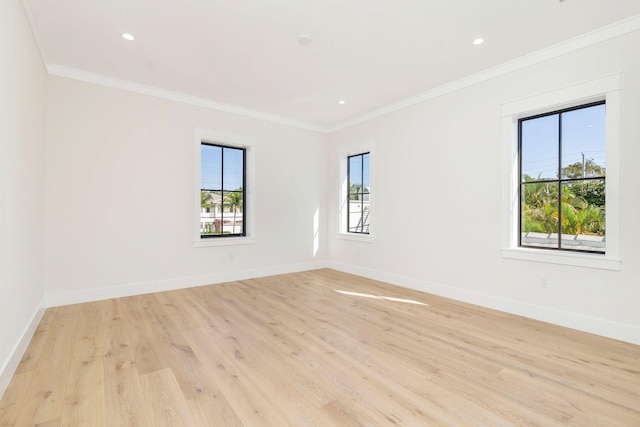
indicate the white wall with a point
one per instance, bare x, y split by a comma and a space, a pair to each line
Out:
22, 157
119, 195
119, 198
443, 160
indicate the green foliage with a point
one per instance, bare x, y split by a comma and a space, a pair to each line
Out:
206, 199
234, 200
581, 208
589, 220
591, 191
542, 218
591, 169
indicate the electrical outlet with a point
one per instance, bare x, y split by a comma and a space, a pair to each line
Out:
544, 283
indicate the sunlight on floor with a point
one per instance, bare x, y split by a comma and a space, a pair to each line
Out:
358, 294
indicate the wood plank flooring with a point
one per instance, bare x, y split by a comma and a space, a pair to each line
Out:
318, 348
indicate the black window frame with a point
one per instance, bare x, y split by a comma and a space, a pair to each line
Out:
222, 191
360, 193
559, 181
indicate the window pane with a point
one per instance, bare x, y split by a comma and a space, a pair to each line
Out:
210, 167
233, 202
232, 213
540, 215
210, 213
366, 215
539, 148
583, 142
233, 170
583, 215
366, 212
355, 173
365, 171
355, 216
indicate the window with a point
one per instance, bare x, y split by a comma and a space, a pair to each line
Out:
223, 196
356, 194
358, 207
562, 157
222, 184
557, 205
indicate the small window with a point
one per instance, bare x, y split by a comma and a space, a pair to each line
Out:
356, 192
562, 163
222, 191
358, 203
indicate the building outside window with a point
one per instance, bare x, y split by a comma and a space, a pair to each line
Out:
222, 191
562, 164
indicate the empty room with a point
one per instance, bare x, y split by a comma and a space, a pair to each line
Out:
319, 213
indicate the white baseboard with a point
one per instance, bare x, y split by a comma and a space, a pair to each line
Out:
11, 364
594, 325
55, 299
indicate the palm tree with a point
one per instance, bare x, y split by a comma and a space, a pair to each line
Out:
206, 199
234, 200
206, 202
540, 219
540, 207
587, 220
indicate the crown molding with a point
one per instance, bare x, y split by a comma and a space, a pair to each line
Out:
588, 39
99, 79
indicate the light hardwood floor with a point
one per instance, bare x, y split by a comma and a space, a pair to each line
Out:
316, 348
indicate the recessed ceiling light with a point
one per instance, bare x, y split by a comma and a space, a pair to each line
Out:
304, 39
478, 41
342, 102
127, 36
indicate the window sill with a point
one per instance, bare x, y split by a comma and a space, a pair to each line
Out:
564, 258
223, 241
357, 237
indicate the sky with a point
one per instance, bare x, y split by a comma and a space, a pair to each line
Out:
583, 131
356, 167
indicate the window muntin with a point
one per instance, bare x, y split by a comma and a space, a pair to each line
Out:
222, 191
358, 193
562, 179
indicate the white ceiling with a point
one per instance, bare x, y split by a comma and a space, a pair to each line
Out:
245, 53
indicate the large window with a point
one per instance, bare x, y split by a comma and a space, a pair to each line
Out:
358, 197
222, 191
565, 113
562, 179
